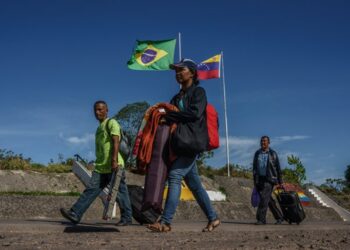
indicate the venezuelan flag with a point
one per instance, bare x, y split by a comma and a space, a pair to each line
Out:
209, 68
305, 201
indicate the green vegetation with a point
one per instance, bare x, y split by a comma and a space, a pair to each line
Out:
338, 186
38, 193
297, 174
335, 186
347, 176
223, 190
11, 161
130, 118
338, 189
235, 171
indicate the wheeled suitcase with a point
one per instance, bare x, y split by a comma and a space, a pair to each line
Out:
291, 207
157, 171
143, 217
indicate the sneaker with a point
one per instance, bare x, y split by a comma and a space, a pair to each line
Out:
279, 222
70, 215
258, 223
122, 223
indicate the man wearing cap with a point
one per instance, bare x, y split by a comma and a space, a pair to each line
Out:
192, 102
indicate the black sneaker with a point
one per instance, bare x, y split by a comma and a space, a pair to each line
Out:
279, 222
258, 223
70, 215
122, 223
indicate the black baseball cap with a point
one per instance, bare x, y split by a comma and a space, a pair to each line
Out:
185, 63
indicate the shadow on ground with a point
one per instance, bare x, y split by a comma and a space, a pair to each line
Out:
89, 229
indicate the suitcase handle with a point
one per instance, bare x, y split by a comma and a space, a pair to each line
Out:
281, 187
79, 158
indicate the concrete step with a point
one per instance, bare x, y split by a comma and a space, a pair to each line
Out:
318, 198
328, 202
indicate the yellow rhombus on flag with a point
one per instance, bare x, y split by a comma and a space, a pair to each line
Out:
152, 55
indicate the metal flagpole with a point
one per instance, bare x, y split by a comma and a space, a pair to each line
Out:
225, 113
180, 56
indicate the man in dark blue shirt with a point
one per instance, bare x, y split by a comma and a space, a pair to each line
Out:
266, 173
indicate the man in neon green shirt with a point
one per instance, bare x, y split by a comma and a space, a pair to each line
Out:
108, 159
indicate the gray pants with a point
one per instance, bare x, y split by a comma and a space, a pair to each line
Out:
266, 200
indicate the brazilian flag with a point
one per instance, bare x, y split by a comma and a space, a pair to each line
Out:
152, 55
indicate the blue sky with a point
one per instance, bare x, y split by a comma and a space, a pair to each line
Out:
286, 67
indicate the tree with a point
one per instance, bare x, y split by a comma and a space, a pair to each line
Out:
203, 157
203, 169
337, 184
296, 174
130, 118
60, 158
347, 176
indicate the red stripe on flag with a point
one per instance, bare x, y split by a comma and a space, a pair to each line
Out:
203, 75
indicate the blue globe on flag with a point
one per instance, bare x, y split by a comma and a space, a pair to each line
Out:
148, 56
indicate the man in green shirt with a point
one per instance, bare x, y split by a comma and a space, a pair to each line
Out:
108, 159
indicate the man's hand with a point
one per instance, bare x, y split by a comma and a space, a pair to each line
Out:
115, 165
280, 186
115, 150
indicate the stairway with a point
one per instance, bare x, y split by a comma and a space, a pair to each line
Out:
325, 201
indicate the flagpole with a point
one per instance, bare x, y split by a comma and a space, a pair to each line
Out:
225, 115
180, 56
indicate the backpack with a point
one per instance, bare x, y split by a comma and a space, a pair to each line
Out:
124, 145
213, 127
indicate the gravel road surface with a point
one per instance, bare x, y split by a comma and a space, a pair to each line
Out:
59, 234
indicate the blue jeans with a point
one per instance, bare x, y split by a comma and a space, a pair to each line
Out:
185, 168
97, 183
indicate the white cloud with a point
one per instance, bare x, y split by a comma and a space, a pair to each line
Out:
242, 149
288, 138
239, 141
76, 140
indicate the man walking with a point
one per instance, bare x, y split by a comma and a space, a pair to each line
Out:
108, 159
266, 173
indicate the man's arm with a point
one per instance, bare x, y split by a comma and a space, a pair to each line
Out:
115, 150
255, 167
278, 168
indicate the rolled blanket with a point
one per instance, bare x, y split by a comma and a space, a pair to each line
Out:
144, 142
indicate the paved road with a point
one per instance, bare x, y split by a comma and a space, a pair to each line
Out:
58, 234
